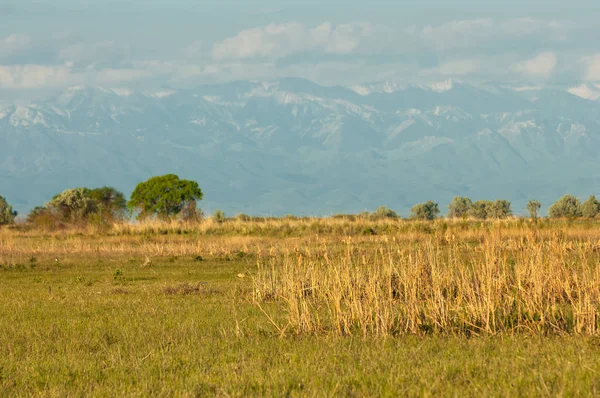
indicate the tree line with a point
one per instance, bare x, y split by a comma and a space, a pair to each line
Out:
168, 196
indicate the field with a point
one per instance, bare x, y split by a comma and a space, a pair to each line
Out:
302, 307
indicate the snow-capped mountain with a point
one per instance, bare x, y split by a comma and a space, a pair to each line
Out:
293, 146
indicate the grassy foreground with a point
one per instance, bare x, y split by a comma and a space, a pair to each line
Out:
168, 312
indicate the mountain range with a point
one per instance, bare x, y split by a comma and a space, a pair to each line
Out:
294, 146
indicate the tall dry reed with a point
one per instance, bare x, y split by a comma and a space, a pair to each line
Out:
497, 283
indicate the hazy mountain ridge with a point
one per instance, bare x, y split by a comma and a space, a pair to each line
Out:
293, 146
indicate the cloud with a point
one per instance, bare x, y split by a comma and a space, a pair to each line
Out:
280, 40
476, 32
457, 67
35, 76
105, 50
59, 76
194, 50
592, 68
457, 33
523, 27
540, 66
13, 43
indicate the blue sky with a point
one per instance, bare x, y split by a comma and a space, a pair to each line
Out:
48, 45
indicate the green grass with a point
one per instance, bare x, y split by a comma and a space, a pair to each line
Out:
110, 326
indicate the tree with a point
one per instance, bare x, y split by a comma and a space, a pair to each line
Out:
73, 205
425, 211
499, 209
482, 209
163, 196
533, 207
590, 208
7, 214
567, 206
110, 203
384, 212
459, 207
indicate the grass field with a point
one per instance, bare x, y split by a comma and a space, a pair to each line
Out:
302, 308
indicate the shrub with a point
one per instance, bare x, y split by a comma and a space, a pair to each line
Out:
459, 207
218, 216
425, 211
500, 209
533, 207
481, 209
243, 217
73, 205
590, 208
384, 212
191, 212
567, 206
7, 214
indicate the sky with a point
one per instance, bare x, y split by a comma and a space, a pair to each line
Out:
50, 45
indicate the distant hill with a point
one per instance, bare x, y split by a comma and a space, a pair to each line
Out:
292, 146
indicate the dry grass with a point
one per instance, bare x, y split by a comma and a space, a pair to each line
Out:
373, 277
470, 284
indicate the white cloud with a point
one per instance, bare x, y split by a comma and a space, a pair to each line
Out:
586, 91
276, 41
35, 76
592, 68
58, 76
540, 66
13, 43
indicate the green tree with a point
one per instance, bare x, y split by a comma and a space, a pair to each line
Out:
425, 211
482, 209
567, 206
459, 207
110, 203
7, 214
533, 207
73, 205
591, 207
384, 212
500, 209
163, 196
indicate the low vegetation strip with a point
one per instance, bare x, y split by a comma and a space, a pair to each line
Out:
347, 306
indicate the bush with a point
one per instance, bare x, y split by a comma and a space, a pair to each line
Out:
533, 207
481, 209
590, 208
384, 212
73, 205
425, 211
567, 206
484, 209
7, 214
459, 207
190, 212
219, 216
243, 217
500, 209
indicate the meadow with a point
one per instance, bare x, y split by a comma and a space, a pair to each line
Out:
302, 307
